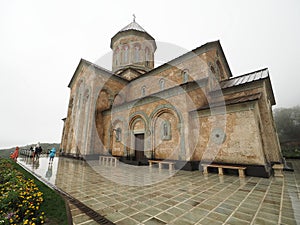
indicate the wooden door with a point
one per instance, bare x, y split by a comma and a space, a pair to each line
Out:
139, 146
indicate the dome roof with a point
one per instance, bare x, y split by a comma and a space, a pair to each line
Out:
133, 26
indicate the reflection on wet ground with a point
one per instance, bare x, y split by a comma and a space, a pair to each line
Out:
41, 166
140, 195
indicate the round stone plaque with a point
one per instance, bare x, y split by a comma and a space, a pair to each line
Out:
218, 136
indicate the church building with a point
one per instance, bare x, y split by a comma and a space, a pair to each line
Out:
190, 110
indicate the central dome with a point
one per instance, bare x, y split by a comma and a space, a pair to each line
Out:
133, 51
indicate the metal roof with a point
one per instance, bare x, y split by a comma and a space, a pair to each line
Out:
133, 26
247, 78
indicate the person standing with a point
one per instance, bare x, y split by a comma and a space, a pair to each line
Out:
15, 154
30, 153
38, 151
52, 154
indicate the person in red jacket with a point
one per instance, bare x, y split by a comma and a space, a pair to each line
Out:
15, 154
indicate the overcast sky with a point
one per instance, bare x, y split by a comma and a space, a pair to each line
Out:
42, 42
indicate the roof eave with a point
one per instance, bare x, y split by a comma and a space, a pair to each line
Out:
79, 66
225, 59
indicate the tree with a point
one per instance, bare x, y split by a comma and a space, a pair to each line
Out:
287, 121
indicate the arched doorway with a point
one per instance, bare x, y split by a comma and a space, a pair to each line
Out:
138, 147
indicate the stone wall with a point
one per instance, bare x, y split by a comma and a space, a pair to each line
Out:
268, 130
236, 141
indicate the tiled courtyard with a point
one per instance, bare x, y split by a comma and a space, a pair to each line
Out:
142, 195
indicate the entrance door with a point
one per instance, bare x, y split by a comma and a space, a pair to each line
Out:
139, 147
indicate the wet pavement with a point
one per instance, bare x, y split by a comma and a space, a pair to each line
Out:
128, 195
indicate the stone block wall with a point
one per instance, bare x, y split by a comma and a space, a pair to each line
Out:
237, 141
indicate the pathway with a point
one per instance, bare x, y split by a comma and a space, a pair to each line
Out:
140, 195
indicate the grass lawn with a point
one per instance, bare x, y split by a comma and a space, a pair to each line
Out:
53, 205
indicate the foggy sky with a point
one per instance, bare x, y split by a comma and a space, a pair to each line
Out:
42, 42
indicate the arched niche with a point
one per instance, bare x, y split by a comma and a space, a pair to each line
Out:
167, 134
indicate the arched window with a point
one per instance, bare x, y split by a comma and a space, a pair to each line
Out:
143, 91
71, 103
118, 134
166, 130
221, 71
117, 56
162, 84
86, 97
137, 53
79, 102
126, 54
212, 69
185, 76
147, 56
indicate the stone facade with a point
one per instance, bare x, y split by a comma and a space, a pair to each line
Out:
189, 110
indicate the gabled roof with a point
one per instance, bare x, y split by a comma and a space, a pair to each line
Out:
246, 78
103, 71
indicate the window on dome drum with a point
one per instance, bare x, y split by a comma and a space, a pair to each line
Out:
136, 53
185, 76
126, 50
166, 130
162, 84
117, 56
143, 90
147, 55
118, 134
